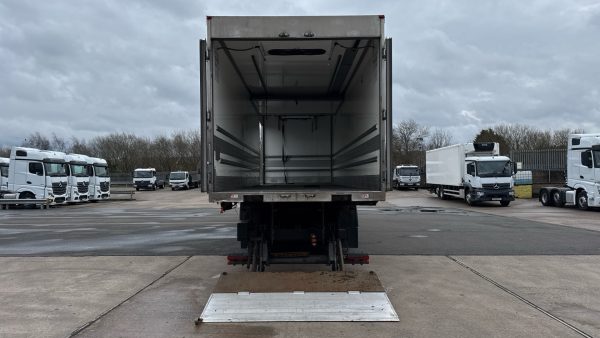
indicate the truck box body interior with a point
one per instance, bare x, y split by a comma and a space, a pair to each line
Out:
295, 105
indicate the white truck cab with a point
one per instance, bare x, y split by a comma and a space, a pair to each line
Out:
583, 175
79, 178
4, 163
407, 176
38, 174
145, 178
183, 180
473, 171
99, 179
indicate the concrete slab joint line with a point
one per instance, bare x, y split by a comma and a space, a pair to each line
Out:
516, 295
102, 315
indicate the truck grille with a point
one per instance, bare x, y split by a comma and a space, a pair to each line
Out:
104, 186
496, 186
59, 188
82, 187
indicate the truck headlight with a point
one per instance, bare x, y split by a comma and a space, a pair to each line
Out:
480, 193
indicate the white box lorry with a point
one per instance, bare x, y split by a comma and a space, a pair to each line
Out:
582, 188
407, 176
183, 180
99, 188
474, 172
38, 174
4, 163
78, 176
296, 128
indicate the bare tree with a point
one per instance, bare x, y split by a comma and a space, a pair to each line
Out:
410, 135
439, 138
36, 140
4, 151
58, 143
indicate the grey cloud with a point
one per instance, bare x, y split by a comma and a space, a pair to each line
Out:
93, 68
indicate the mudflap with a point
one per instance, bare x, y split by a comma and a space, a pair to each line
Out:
338, 296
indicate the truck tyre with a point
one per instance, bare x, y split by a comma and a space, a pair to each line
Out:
504, 203
154, 187
27, 196
557, 199
468, 198
582, 200
545, 198
137, 189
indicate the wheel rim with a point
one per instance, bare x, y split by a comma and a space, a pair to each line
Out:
544, 197
582, 201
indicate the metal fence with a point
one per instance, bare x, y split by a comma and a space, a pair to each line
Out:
547, 160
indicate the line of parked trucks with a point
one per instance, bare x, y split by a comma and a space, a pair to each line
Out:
476, 172
54, 176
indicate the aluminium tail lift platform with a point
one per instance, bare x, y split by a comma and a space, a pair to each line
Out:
339, 296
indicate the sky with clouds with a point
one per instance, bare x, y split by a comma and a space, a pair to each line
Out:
88, 68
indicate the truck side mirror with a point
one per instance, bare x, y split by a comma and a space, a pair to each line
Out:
514, 167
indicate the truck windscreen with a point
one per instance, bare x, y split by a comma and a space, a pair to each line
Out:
79, 170
101, 171
142, 174
55, 169
177, 176
494, 169
408, 172
4, 171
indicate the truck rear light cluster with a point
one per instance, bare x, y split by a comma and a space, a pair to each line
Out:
356, 259
237, 259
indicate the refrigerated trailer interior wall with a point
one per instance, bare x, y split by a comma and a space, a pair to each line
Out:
296, 120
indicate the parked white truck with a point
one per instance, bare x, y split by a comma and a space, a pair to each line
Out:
296, 127
582, 188
183, 180
38, 174
78, 175
407, 176
99, 179
145, 178
4, 163
472, 171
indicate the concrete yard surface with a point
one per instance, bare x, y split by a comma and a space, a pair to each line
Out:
434, 296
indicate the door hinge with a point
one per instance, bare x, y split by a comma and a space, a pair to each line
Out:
384, 53
208, 115
384, 114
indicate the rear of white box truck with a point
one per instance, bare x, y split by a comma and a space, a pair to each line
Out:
296, 111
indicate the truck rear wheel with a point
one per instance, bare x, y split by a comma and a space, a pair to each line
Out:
504, 203
582, 200
557, 199
545, 198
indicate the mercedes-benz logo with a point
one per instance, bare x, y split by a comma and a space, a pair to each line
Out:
60, 184
496, 186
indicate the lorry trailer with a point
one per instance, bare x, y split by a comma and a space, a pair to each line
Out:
582, 188
474, 172
296, 129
